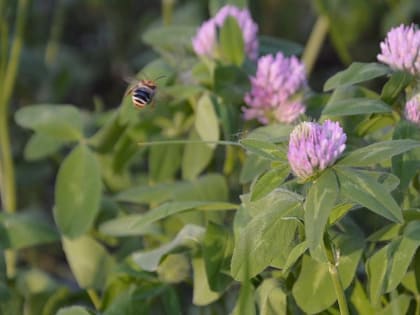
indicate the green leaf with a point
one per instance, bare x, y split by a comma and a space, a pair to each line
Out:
134, 301
89, 261
411, 214
35, 281
314, 294
387, 267
405, 166
360, 300
272, 300
149, 260
389, 180
121, 227
230, 83
196, 156
319, 202
338, 212
164, 161
202, 293
272, 45
253, 166
232, 47
397, 306
58, 121
148, 194
206, 122
365, 191
395, 86
314, 290
171, 302
374, 123
416, 265
386, 233
355, 106
12, 302
41, 145
264, 149
73, 310
227, 119
77, 192
210, 187
294, 255
271, 133
141, 224
25, 229
263, 239
202, 72
357, 72
277, 199
217, 250
105, 139
269, 181
409, 281
378, 152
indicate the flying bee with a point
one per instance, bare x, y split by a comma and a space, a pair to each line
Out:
142, 92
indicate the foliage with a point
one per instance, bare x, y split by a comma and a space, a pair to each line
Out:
185, 208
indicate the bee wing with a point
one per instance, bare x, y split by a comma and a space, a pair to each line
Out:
130, 90
130, 79
132, 83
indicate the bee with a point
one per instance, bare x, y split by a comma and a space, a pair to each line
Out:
142, 92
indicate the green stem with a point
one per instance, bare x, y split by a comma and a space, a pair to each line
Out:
8, 185
55, 34
417, 305
333, 261
339, 290
12, 67
4, 43
96, 301
167, 11
313, 46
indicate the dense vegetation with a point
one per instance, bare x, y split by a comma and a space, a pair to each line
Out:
274, 171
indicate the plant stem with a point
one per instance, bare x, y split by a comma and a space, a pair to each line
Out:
338, 287
55, 34
167, 11
4, 43
12, 67
96, 301
314, 43
333, 256
8, 185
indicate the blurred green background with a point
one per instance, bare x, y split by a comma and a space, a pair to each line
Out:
76, 50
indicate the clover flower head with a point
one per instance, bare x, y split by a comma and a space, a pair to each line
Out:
412, 110
276, 90
401, 49
313, 147
205, 40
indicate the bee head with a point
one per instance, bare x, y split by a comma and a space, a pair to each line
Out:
149, 83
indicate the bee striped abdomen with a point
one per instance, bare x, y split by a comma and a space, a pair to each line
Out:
142, 93
142, 96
